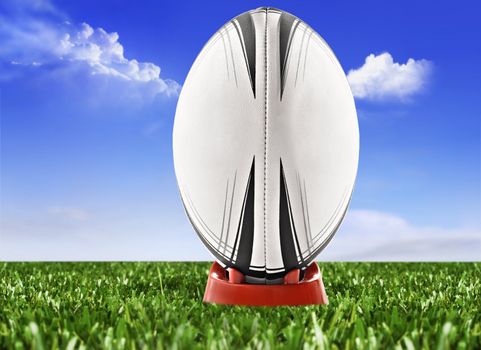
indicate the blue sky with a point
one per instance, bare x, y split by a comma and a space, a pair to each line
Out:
86, 122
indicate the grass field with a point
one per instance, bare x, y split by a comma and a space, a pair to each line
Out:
158, 305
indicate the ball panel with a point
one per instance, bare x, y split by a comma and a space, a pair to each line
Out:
325, 157
313, 130
218, 131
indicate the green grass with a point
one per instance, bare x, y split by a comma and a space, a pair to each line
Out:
158, 305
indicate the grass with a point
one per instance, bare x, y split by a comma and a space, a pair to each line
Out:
158, 305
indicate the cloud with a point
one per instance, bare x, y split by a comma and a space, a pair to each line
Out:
382, 78
103, 53
71, 233
34, 40
379, 236
28, 6
69, 213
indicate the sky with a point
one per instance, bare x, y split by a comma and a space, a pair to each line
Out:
88, 91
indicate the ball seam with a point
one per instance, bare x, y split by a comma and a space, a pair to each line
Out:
265, 142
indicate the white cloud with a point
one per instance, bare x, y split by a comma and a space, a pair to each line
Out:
71, 233
33, 40
103, 53
382, 78
69, 213
379, 236
19, 7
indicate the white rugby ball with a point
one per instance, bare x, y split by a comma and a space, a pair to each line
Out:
266, 144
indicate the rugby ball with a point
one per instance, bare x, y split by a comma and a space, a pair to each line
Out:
266, 144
